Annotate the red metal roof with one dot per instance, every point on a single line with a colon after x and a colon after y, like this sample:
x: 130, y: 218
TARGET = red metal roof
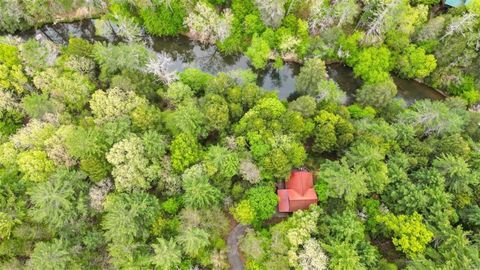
x: 283, y: 203
x: 300, y: 181
x: 299, y: 193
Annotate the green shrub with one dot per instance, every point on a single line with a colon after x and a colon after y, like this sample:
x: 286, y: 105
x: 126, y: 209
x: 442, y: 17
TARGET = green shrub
x: 78, y: 47
x: 164, y: 20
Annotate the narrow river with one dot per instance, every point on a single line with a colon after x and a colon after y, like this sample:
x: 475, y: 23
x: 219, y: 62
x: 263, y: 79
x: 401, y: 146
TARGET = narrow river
x: 187, y: 53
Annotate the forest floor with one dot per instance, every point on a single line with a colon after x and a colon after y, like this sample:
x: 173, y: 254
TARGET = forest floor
x: 79, y: 14
x: 388, y: 251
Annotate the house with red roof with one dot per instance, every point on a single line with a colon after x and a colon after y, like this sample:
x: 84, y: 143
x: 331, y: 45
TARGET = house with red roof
x: 298, y: 194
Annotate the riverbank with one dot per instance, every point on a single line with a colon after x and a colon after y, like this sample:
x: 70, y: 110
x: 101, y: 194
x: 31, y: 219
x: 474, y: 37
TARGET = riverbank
x: 293, y: 59
x: 187, y: 53
x: 22, y: 16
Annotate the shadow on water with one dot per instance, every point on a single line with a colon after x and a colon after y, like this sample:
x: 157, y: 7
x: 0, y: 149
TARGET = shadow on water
x: 187, y: 53
x: 344, y: 77
x: 61, y: 32
x: 409, y: 90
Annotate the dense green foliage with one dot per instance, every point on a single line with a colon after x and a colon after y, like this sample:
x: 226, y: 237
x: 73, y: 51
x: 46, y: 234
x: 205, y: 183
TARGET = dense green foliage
x: 109, y: 160
x: 23, y: 14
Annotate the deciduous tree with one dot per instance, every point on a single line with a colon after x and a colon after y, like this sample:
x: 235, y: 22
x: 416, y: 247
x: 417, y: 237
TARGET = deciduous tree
x: 35, y: 165
x: 272, y: 11
x: 206, y: 25
x: 312, y: 256
x: 185, y: 151
x: 258, y: 52
x: 415, y: 63
x: 331, y: 132
x: 411, y: 235
x: 374, y: 64
x: 131, y: 167
x: 164, y: 19
x: 113, y: 104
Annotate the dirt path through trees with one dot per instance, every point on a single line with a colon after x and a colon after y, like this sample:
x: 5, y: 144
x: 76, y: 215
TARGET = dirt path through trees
x: 232, y: 247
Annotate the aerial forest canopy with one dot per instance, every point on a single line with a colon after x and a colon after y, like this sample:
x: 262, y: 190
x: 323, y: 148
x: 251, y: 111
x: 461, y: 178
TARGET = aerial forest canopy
x: 112, y: 158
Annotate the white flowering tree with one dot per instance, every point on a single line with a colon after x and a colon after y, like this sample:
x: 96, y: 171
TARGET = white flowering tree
x: 98, y: 193
x: 131, y: 167
x: 249, y: 171
x: 8, y: 102
x: 113, y: 104
x: 271, y: 11
x: 339, y: 13
x: 160, y: 67
x: 312, y: 257
x: 206, y: 25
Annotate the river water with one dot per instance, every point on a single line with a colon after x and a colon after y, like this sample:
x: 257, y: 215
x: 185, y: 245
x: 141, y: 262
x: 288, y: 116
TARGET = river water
x: 187, y: 53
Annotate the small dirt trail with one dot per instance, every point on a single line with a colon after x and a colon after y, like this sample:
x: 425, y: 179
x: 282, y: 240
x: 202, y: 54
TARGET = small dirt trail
x: 232, y: 247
